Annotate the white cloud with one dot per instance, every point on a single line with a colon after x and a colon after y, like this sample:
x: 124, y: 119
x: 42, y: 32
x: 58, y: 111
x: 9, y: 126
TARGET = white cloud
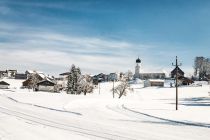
x: 31, y: 48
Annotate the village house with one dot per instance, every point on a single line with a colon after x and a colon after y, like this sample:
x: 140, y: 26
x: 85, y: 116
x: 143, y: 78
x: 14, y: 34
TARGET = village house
x: 4, y: 85
x: 100, y: 78
x: 3, y: 74
x: 29, y: 73
x: 31, y: 76
x: 146, y: 76
x: 179, y: 72
x: 20, y: 76
x: 11, y: 73
x: 154, y: 82
x: 182, y: 80
x: 46, y: 85
x: 113, y: 77
x: 62, y: 80
x: 64, y: 76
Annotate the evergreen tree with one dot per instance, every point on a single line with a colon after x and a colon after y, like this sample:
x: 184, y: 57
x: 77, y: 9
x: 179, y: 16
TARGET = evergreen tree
x: 73, y: 79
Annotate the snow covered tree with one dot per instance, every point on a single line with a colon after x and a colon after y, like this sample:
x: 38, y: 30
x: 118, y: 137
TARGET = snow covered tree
x: 129, y: 75
x: 122, y: 88
x: 85, y: 84
x: 73, y: 80
x: 201, y: 67
x: 34, y: 81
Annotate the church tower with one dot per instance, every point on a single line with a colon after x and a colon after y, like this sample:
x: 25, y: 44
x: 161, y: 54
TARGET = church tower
x: 137, y: 69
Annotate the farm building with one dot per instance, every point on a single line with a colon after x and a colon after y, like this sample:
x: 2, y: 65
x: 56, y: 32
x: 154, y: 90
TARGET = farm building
x: 179, y: 71
x: 3, y: 74
x: 20, y: 76
x: 11, y: 73
x: 46, y: 85
x: 36, y: 77
x: 154, y: 82
x: 146, y: 76
x: 4, y: 85
x: 184, y: 80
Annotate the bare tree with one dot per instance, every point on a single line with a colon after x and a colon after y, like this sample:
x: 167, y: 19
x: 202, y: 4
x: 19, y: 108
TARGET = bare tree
x: 34, y: 81
x: 129, y: 75
x: 201, y: 67
x: 122, y: 88
x: 85, y: 84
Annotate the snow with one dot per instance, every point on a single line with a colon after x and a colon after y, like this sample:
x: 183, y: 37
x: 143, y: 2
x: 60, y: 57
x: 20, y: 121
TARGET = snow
x: 145, y: 113
x: 156, y: 80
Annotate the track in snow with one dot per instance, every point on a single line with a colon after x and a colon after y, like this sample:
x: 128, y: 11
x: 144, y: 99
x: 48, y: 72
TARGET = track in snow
x: 58, y: 125
x: 139, y: 115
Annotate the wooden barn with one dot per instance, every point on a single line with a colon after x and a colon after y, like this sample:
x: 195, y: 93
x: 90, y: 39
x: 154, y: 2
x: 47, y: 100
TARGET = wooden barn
x: 184, y: 80
x: 4, y: 85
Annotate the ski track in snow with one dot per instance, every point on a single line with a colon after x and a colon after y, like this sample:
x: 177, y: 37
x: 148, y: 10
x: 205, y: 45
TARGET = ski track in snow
x: 168, y: 120
x: 97, y: 118
x: 93, y: 134
x: 43, y: 121
x: 42, y: 106
x: 136, y: 114
x: 57, y: 125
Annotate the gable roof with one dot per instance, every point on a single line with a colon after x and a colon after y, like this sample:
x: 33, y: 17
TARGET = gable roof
x: 64, y: 74
x: 46, y: 82
x: 177, y: 68
x: 4, y: 83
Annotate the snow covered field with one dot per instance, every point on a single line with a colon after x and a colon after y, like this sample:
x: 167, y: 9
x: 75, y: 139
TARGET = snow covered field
x: 146, y: 113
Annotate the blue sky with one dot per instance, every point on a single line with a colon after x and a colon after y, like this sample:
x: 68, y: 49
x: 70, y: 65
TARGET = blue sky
x: 102, y: 35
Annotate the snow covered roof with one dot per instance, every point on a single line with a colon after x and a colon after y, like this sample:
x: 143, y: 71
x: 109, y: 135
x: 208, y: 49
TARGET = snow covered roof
x: 64, y: 74
x: 156, y: 80
x: 30, y: 71
x: 41, y: 75
x: 46, y: 82
x: 33, y: 71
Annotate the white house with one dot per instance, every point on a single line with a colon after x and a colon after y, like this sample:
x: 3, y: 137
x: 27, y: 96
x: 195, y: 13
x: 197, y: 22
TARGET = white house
x: 154, y: 82
x: 4, y: 85
x: 11, y: 73
x: 113, y: 77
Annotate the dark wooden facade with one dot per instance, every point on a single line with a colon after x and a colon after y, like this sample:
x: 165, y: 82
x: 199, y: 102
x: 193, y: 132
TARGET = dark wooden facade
x: 46, y: 83
x: 4, y: 83
x: 180, y: 72
x: 20, y: 76
x: 185, y: 80
x: 27, y: 83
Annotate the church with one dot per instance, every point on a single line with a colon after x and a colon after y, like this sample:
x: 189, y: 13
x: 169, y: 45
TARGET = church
x: 146, y: 76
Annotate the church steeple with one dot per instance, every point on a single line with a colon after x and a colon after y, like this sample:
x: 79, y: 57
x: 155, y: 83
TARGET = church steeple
x: 137, y: 69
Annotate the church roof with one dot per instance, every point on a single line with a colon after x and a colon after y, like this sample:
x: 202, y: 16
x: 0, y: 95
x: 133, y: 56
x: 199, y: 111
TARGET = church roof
x: 138, y: 60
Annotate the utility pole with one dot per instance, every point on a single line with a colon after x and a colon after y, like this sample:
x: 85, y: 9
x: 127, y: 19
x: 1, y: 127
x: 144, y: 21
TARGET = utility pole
x: 99, y: 88
x: 113, y: 88
x: 176, y: 67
